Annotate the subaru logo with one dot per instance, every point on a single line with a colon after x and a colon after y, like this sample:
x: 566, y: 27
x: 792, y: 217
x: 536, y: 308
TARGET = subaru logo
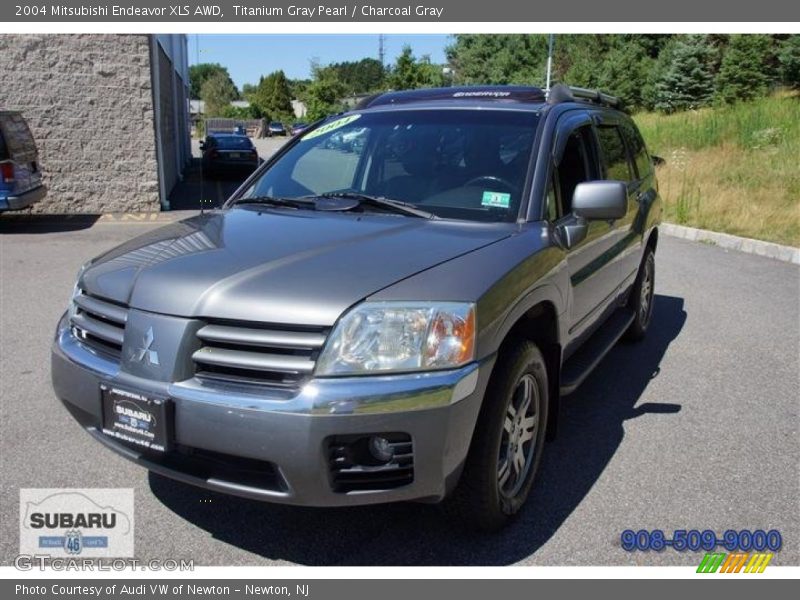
x: 146, y: 353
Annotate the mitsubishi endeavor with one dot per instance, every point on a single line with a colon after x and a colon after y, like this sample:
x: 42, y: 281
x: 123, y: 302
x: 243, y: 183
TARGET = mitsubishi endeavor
x: 395, y: 322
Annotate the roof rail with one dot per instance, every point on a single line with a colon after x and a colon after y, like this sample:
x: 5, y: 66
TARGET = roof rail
x: 565, y: 93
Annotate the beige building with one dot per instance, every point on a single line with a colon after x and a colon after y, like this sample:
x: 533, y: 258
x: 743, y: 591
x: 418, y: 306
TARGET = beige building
x: 109, y: 114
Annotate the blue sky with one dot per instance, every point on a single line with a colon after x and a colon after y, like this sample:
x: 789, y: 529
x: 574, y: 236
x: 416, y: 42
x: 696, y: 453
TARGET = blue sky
x: 250, y: 56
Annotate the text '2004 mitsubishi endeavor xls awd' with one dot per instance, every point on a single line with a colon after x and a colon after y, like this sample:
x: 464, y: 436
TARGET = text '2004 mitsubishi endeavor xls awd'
x: 394, y: 319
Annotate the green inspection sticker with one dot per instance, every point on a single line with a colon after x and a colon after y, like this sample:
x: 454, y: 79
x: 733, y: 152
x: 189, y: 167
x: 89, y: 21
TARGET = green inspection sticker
x: 496, y: 199
x: 332, y: 126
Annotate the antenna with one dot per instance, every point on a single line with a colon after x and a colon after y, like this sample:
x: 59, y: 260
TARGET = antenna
x: 550, y: 44
x: 381, y: 48
x: 205, y: 128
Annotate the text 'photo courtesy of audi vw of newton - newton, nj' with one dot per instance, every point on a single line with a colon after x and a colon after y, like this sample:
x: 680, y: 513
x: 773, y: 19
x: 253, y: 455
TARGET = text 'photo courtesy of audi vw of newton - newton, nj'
x: 395, y: 322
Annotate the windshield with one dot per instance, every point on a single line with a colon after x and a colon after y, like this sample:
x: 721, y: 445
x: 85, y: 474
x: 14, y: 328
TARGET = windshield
x: 234, y: 143
x: 460, y: 164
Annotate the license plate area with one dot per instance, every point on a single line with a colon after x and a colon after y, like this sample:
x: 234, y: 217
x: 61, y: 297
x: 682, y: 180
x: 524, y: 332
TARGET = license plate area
x: 145, y: 422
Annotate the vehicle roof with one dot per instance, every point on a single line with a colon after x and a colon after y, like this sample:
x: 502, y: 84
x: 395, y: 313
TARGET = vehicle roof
x: 503, y: 97
x: 483, y: 96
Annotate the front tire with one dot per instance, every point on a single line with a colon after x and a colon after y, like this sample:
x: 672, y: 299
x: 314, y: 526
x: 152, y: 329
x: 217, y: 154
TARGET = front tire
x: 507, y: 445
x: 642, y: 296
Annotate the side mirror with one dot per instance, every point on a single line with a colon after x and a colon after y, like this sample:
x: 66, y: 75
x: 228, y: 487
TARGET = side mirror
x: 600, y: 200
x: 657, y: 161
x: 202, y: 145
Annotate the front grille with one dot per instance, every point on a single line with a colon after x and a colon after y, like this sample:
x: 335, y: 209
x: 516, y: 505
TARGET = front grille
x: 260, y: 354
x: 353, y: 470
x: 99, y: 323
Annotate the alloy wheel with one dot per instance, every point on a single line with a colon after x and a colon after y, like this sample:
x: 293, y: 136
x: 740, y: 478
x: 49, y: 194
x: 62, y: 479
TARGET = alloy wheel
x: 518, y: 441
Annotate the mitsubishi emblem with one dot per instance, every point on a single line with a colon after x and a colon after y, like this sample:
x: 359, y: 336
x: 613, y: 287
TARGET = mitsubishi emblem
x: 145, y: 352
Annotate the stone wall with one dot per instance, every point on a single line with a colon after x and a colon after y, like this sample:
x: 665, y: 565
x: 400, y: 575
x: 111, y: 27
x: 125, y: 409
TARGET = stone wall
x: 88, y: 100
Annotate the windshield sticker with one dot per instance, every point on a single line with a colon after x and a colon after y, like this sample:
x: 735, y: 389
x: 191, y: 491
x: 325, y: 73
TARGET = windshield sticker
x: 332, y: 126
x: 496, y: 199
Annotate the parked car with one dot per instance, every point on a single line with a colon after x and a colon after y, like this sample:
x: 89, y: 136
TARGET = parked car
x: 228, y: 154
x: 298, y: 128
x: 20, y: 176
x: 276, y: 128
x: 399, y: 324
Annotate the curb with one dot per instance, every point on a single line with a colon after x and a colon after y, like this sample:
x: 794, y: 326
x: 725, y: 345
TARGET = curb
x: 732, y: 242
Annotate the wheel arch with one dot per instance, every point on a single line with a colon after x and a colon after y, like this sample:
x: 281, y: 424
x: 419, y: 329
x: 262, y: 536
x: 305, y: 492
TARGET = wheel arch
x: 652, y: 239
x: 538, y: 322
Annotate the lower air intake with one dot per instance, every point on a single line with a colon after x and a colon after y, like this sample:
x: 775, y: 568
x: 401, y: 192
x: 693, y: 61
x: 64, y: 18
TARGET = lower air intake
x: 356, y: 467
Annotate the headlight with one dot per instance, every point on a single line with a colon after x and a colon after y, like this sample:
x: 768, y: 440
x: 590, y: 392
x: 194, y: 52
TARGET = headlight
x: 400, y: 336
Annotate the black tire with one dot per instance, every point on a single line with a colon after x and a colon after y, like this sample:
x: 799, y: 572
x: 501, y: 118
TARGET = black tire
x: 641, y: 298
x: 482, y: 500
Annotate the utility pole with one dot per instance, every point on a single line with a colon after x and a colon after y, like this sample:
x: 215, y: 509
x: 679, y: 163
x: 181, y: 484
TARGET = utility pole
x: 381, y: 49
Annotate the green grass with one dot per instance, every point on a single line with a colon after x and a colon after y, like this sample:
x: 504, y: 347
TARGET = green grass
x: 734, y: 169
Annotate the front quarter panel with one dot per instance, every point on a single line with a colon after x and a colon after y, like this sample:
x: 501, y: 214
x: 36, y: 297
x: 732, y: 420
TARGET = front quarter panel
x: 504, y: 279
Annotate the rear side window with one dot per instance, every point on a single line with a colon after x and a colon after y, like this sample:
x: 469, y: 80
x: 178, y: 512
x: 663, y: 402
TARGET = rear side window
x: 615, y: 156
x: 3, y: 148
x: 18, y: 141
x: 638, y: 150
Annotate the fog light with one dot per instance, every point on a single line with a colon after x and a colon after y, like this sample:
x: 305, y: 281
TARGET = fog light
x: 380, y: 448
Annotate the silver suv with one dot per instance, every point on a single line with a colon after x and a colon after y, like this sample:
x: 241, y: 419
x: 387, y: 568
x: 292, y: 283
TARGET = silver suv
x: 397, y: 321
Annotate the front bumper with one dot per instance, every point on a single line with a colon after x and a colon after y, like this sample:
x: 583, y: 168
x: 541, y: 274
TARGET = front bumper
x: 224, y: 434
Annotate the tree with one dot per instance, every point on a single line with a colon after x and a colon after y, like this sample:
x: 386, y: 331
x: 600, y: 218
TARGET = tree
x: 498, y: 59
x: 248, y: 90
x: 405, y: 75
x: 217, y: 92
x: 273, y: 96
x: 789, y: 61
x: 244, y: 113
x: 688, y: 81
x: 358, y: 77
x: 624, y: 72
x: 200, y: 72
x: 409, y: 73
x: 744, y: 71
x: 324, y: 94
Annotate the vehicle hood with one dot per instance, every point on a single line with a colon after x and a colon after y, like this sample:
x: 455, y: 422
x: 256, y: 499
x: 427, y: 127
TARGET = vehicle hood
x: 277, y: 265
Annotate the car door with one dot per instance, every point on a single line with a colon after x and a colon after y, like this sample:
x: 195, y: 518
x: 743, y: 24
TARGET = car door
x: 642, y: 193
x: 591, y: 272
x: 617, y: 165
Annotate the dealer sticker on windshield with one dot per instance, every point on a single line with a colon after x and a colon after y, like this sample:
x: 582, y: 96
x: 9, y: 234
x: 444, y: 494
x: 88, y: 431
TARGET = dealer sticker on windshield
x: 496, y: 199
x: 332, y: 126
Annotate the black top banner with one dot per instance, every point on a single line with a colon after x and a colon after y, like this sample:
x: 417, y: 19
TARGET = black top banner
x: 402, y: 11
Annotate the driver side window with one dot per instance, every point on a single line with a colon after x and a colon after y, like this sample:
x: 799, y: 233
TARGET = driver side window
x: 574, y: 166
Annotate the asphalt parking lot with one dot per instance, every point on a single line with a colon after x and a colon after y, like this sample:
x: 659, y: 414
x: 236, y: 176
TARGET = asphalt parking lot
x: 695, y: 428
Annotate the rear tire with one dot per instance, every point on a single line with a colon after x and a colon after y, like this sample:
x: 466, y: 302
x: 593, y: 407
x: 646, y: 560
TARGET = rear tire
x: 507, y: 444
x: 641, y: 298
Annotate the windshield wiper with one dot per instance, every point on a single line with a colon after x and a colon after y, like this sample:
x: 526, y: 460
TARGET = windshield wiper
x: 398, y: 206
x: 276, y: 201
